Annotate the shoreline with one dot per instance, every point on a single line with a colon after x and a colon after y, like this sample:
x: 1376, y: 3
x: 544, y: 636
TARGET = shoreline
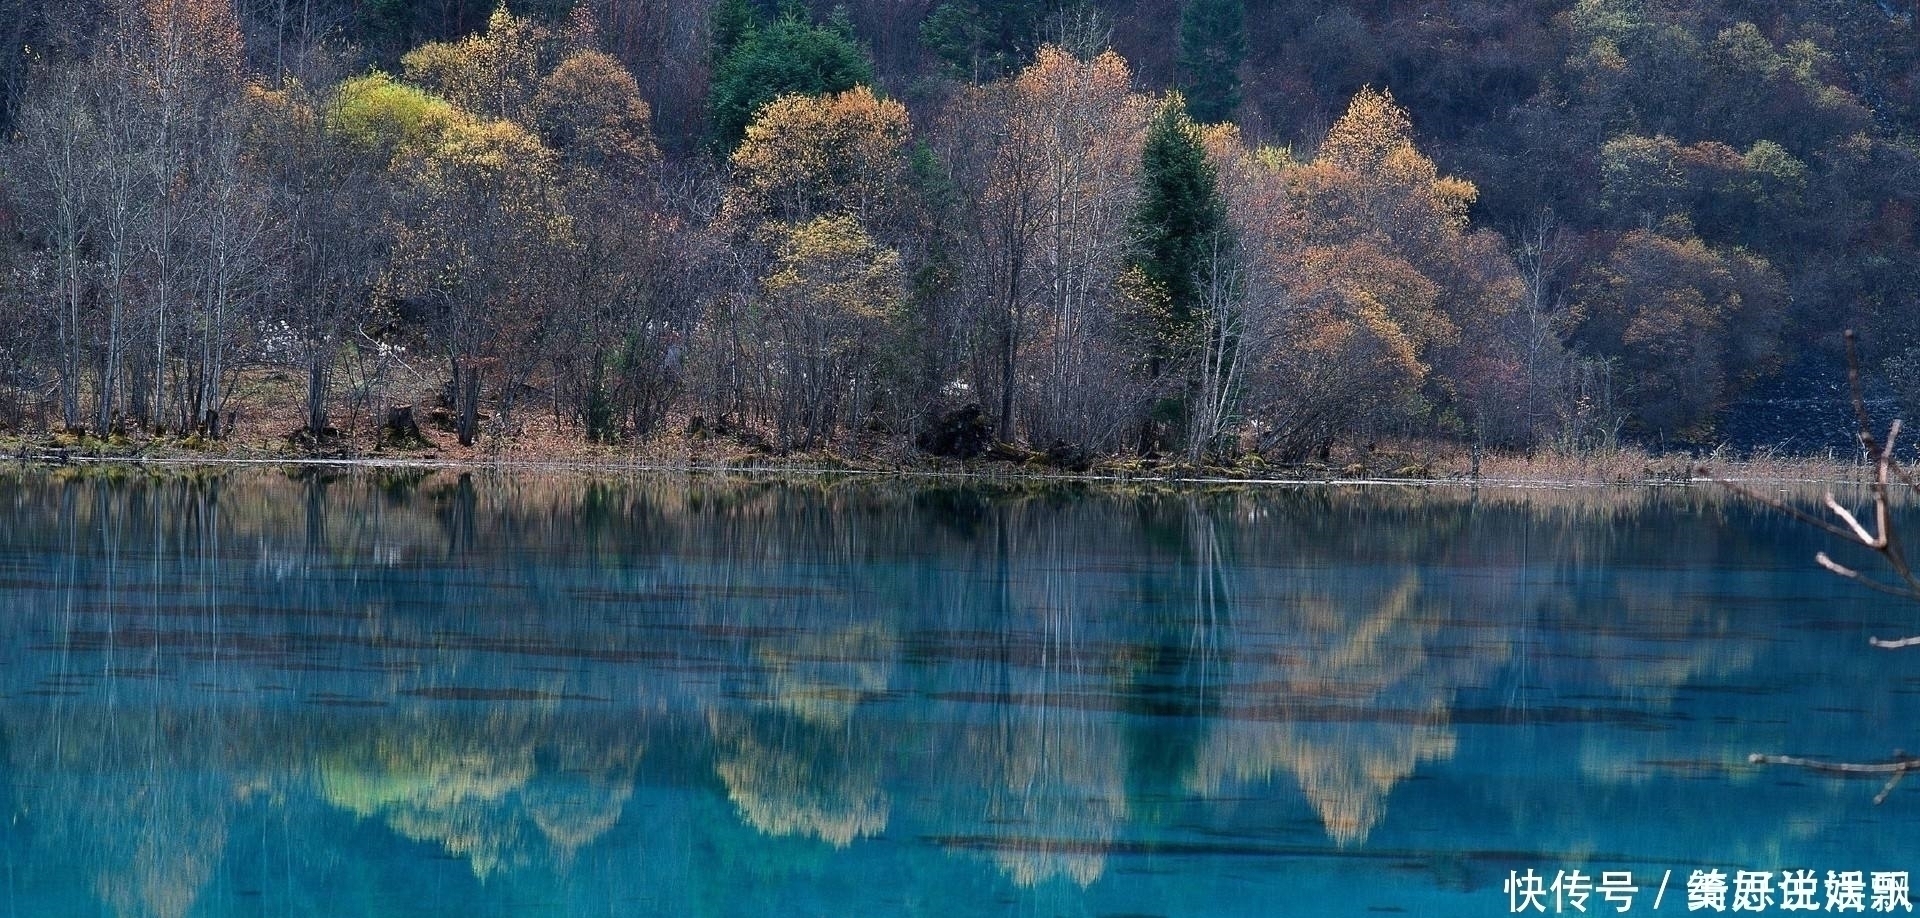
x: 1809, y: 471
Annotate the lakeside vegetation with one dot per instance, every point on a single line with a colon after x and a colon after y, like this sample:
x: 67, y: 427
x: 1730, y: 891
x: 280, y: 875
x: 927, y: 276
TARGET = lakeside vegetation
x: 1214, y: 237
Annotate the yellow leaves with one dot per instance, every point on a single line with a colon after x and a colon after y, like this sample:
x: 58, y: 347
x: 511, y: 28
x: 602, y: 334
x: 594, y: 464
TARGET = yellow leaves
x: 1368, y: 250
x: 1374, y: 128
x: 494, y: 74
x: 376, y: 113
x: 279, y: 117
x: 202, y: 34
x: 428, y: 791
x: 809, y: 155
x: 830, y: 267
x: 805, y: 787
x: 1367, y: 301
x: 498, y: 152
x: 442, y: 147
x: 1455, y: 195
x: 1057, y: 75
x: 590, y: 109
x: 1081, y: 111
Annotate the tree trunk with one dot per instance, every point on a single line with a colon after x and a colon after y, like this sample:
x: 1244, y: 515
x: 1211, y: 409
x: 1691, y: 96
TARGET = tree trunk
x: 469, y: 405
x: 316, y: 397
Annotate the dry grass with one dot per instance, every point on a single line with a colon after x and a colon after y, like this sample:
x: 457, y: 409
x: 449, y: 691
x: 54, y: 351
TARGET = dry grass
x: 267, y: 410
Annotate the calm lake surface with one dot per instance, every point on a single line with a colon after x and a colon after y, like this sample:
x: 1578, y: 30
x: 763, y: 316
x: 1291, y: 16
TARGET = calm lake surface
x: 277, y: 692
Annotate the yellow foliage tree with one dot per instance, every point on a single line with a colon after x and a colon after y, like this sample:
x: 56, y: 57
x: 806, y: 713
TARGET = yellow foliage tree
x: 494, y: 74
x: 1369, y: 180
x: 590, y: 111
x: 189, y: 40
x: 831, y: 302
x: 806, y: 156
x: 379, y: 115
x: 485, y: 223
x: 1367, y: 251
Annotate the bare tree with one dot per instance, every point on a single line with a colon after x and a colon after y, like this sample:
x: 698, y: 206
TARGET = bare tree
x: 56, y: 175
x: 995, y: 162
x: 1222, y: 331
x: 1881, y: 538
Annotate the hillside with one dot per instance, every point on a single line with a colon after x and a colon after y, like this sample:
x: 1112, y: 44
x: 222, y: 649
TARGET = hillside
x: 1209, y: 228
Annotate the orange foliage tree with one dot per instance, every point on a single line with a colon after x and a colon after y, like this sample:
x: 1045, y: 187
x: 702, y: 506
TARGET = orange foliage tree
x: 1079, y: 126
x: 1694, y: 324
x: 1383, y: 284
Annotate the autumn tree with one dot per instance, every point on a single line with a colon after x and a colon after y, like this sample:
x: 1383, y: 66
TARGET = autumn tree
x: 807, y: 156
x: 1086, y: 125
x: 495, y: 74
x: 831, y: 301
x: 1242, y: 304
x: 481, y: 226
x: 589, y: 110
x: 992, y: 165
x: 1384, y: 277
x: 156, y: 217
x: 814, y: 178
x: 632, y: 269
x: 1044, y: 166
x: 1693, y: 325
x: 55, y: 177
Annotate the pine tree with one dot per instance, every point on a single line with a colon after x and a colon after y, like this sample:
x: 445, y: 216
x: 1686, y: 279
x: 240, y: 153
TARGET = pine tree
x: 1179, y: 212
x: 785, y: 57
x: 729, y: 25
x: 1176, y: 229
x: 984, y: 39
x: 1213, y: 43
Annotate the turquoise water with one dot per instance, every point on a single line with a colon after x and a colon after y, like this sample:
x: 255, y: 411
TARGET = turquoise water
x: 408, y: 694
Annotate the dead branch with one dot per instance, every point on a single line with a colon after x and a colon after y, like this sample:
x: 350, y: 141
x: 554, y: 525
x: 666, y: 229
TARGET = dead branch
x: 1895, y: 769
x: 1880, y: 539
x: 1899, y: 764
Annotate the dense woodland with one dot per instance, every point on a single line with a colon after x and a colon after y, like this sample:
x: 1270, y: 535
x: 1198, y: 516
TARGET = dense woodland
x: 1196, y: 229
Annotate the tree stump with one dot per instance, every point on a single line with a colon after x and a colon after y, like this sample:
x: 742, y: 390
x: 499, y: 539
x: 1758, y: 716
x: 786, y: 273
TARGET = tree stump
x: 401, y: 431
x: 963, y: 433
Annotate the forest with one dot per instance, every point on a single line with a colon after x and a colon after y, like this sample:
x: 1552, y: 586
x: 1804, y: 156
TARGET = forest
x: 1194, y: 229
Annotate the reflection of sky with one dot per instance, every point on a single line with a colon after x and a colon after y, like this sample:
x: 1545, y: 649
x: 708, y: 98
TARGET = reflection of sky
x: 258, y: 693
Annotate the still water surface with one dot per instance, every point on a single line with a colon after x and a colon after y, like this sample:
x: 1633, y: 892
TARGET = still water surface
x: 267, y: 692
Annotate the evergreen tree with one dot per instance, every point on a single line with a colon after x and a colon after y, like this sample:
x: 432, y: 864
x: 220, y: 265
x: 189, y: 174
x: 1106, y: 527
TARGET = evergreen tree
x: 1176, y: 229
x: 1179, y: 211
x: 787, y: 56
x: 1213, y: 43
x: 731, y: 22
x: 983, y: 40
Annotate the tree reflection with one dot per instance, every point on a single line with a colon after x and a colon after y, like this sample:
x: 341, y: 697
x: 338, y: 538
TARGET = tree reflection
x: 791, y: 777
x: 1054, y: 778
x: 1349, y: 708
x: 1036, y: 680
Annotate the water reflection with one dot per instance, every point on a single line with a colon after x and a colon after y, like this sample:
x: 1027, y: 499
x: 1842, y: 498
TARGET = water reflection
x: 537, y: 679
x: 1313, y: 710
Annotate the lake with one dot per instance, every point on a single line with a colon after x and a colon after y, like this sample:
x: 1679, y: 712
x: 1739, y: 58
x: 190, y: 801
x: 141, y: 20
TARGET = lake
x: 414, y: 693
